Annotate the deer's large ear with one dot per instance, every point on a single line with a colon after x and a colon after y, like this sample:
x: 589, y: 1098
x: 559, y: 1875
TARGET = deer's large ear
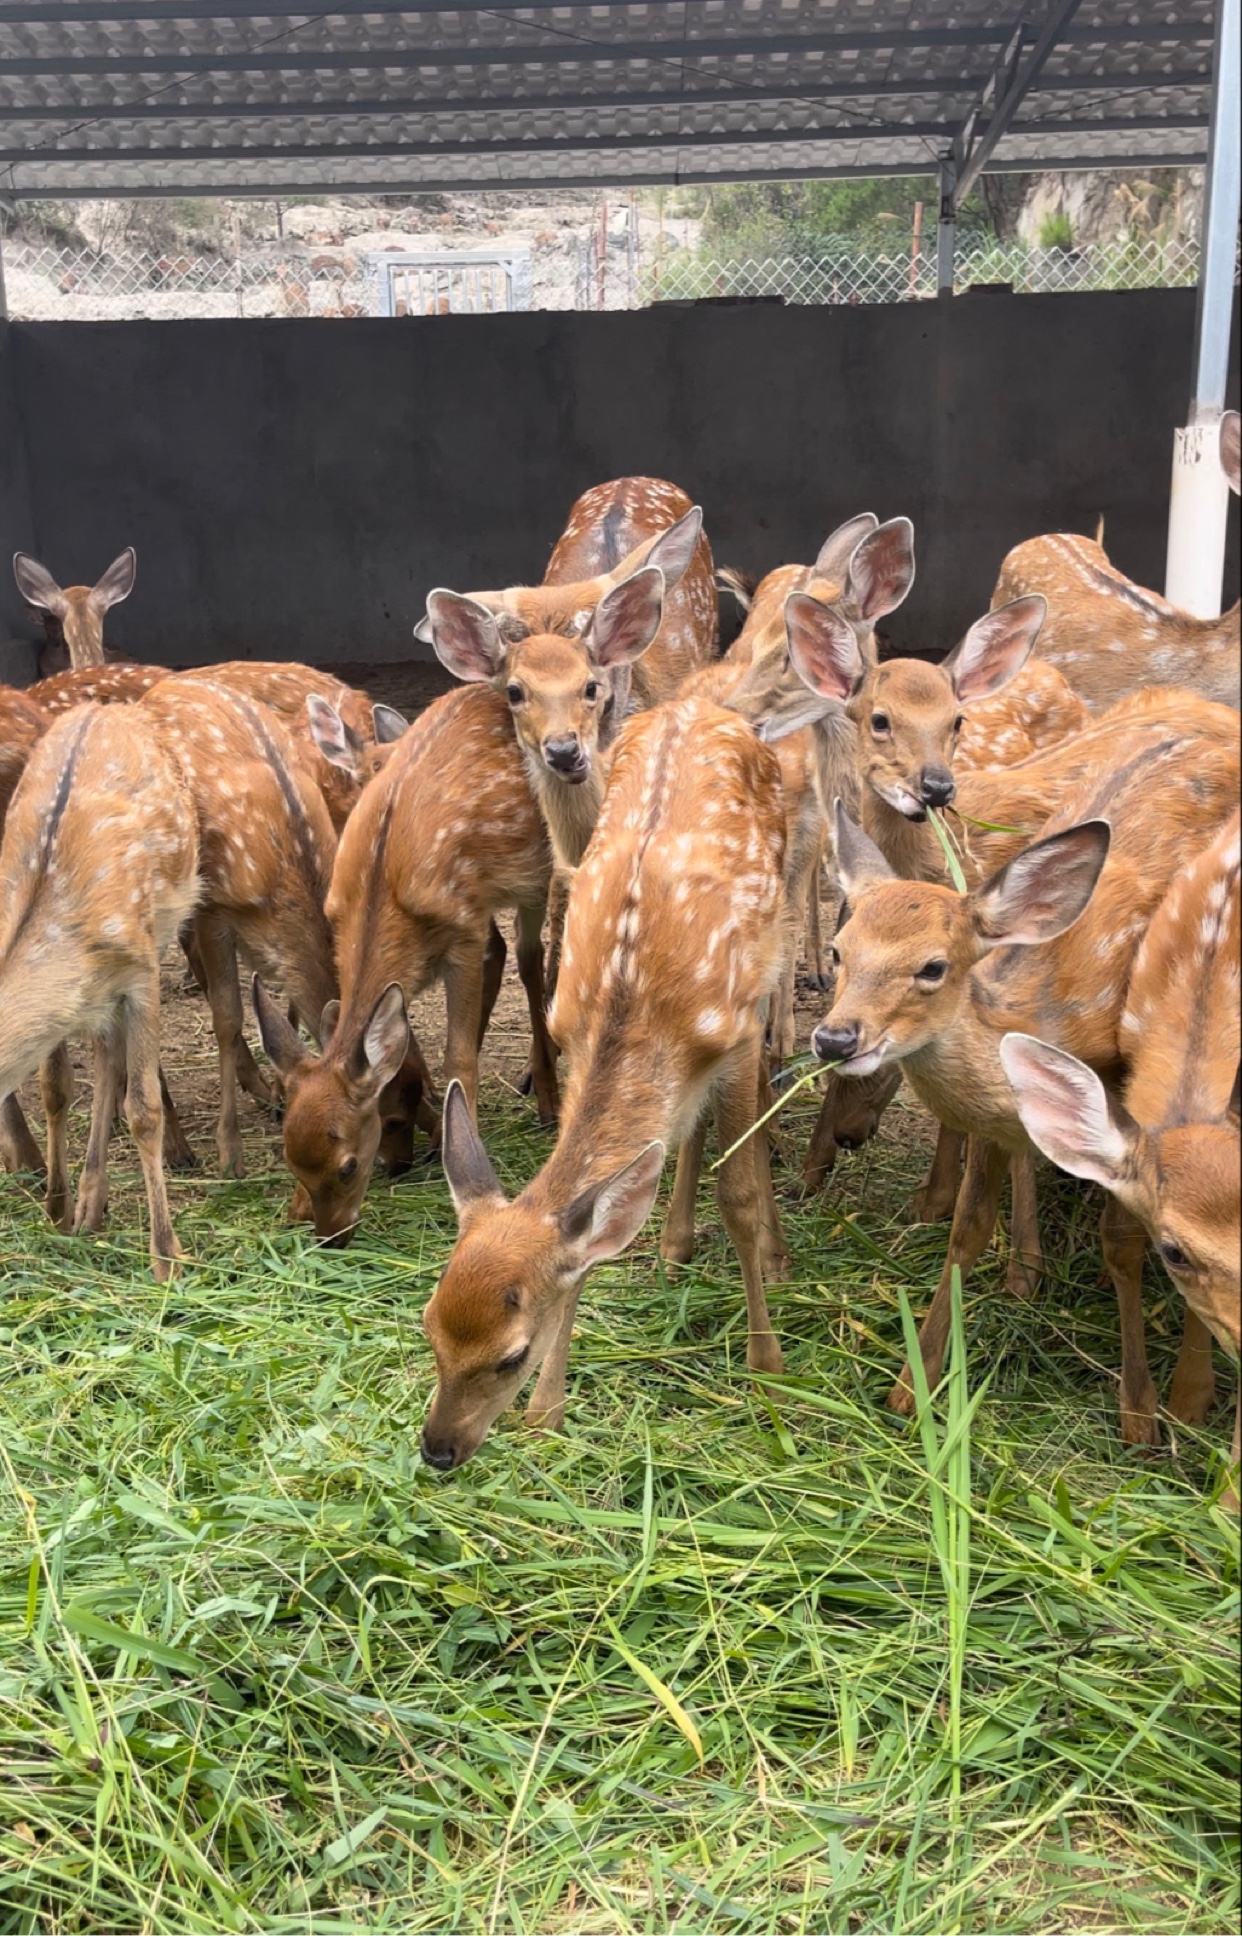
x: 379, y: 1053
x: 627, y: 618
x: 471, y: 1178
x: 465, y: 636
x: 822, y: 648
x: 117, y: 582
x: 605, y: 1219
x: 859, y: 861
x: 837, y: 549
x: 282, y: 1044
x: 1231, y: 449
x: 1067, y: 1112
x: 388, y: 723
x: 673, y: 549
x: 996, y: 648
x: 881, y: 571
x: 37, y: 585
x: 331, y: 735
x: 1043, y: 890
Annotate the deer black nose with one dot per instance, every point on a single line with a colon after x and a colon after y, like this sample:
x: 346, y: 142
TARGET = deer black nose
x: 936, y: 787
x: 835, y: 1044
x: 562, y: 755
x: 440, y: 1456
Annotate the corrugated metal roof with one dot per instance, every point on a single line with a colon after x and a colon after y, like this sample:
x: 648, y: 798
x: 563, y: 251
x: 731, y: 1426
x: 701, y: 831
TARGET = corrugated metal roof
x: 202, y: 96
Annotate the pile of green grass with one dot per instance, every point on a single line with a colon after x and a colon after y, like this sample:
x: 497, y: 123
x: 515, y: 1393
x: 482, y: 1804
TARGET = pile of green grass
x: 701, y: 1663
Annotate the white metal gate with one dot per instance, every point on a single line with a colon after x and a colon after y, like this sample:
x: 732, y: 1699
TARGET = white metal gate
x: 458, y: 282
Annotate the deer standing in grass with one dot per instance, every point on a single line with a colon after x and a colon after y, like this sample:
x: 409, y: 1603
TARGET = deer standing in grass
x: 672, y: 943
x: 98, y: 870
x: 73, y: 616
x: 446, y: 836
x: 1169, y: 1151
x: 933, y: 979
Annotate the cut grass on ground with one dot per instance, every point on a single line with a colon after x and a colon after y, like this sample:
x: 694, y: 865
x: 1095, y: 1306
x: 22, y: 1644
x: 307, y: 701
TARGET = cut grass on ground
x: 700, y: 1663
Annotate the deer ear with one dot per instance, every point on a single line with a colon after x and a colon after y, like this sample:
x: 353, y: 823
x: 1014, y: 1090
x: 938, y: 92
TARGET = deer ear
x: 37, y: 585
x: 605, y: 1219
x: 331, y: 735
x: 1042, y: 891
x: 996, y: 648
x: 379, y: 1054
x: 881, y: 571
x: 673, y: 549
x: 471, y: 1178
x: 822, y: 648
x: 389, y: 724
x: 859, y: 861
x: 1067, y: 1112
x: 282, y: 1044
x: 836, y: 551
x: 465, y: 635
x: 1231, y: 449
x: 328, y: 1021
x: 117, y: 582
x: 627, y: 618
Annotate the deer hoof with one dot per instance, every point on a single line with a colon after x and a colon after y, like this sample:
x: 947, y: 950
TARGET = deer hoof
x: 901, y: 1398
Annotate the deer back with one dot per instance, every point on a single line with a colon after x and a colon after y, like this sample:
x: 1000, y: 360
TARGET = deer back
x: 284, y: 688
x: 1110, y: 636
x: 1035, y: 711
x: 116, y: 684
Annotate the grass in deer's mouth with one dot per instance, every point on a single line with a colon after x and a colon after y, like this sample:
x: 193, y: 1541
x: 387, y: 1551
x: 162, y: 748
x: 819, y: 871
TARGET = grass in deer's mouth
x: 698, y: 1664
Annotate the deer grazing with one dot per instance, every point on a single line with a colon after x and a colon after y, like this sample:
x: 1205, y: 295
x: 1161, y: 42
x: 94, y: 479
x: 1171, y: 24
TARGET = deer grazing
x: 98, y: 870
x: 73, y: 617
x: 1169, y: 1151
x: 933, y: 979
x: 612, y: 532
x: 671, y: 945
x: 444, y: 838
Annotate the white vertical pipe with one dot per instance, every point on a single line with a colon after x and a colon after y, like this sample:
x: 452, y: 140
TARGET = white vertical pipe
x: 1199, y: 498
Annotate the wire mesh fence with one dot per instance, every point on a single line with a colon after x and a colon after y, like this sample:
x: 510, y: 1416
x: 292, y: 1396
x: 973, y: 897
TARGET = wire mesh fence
x: 576, y: 272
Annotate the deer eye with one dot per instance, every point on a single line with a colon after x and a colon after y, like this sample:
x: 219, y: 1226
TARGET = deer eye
x: 591, y: 690
x: 515, y: 695
x: 514, y: 1361
x: 1174, y: 1256
x: 881, y: 725
x: 348, y: 1169
x: 959, y: 722
x: 932, y: 973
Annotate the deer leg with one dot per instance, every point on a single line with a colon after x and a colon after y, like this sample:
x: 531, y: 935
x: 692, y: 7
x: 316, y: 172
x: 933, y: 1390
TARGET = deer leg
x: 558, y: 905
x: 1124, y: 1243
x: 18, y: 1149
x: 542, y: 1051
x: 814, y: 930
x: 783, y: 1021
x: 56, y: 1088
x: 546, y: 1410
x: 493, y: 974
x: 463, y: 996
x: 145, y: 1114
x: 92, y: 1203
x: 741, y: 1201
x: 677, y: 1237
x: 218, y: 954
x: 1026, y: 1254
x: 974, y: 1220
x: 249, y: 1074
x: 1193, y: 1390
x: 934, y: 1200
x: 1229, y: 1498
x: 178, y: 1152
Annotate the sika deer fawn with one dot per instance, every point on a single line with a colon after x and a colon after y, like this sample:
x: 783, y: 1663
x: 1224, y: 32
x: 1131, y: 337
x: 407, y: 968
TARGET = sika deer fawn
x: 933, y: 979
x: 567, y: 696
x: 446, y: 836
x: 22, y: 726
x: 1169, y: 1153
x: 671, y: 945
x: 612, y: 532
x: 97, y: 872
x: 104, y: 685
x: 73, y: 617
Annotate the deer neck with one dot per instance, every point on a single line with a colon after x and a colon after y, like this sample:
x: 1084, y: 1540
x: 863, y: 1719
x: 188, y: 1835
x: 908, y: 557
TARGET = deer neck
x: 909, y: 846
x: 959, y: 1078
x: 569, y: 812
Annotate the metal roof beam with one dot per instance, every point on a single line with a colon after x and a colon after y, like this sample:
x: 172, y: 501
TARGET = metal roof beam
x: 1003, y: 95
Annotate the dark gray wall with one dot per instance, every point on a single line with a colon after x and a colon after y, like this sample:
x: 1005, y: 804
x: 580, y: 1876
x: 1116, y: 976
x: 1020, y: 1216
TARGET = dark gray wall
x: 16, y: 530
x: 295, y: 488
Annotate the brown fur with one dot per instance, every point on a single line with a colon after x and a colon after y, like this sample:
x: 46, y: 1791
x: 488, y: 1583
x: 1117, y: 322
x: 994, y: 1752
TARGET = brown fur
x: 103, y: 685
x: 689, y: 843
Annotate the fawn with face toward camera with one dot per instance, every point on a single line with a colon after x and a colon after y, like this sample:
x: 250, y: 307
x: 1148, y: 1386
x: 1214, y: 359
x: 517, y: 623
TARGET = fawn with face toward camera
x: 73, y: 616
x: 1170, y: 1152
x: 97, y: 872
x: 444, y: 838
x: 671, y: 945
x: 933, y: 979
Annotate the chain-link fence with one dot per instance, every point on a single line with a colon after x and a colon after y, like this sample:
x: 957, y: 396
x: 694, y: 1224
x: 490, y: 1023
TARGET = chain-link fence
x: 574, y: 272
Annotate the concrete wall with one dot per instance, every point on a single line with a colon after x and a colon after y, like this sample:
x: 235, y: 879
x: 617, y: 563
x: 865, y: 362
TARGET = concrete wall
x: 295, y: 488
x: 16, y: 527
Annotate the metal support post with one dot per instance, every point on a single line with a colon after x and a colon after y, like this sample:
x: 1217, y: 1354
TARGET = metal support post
x: 1199, y: 499
x: 946, y: 228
